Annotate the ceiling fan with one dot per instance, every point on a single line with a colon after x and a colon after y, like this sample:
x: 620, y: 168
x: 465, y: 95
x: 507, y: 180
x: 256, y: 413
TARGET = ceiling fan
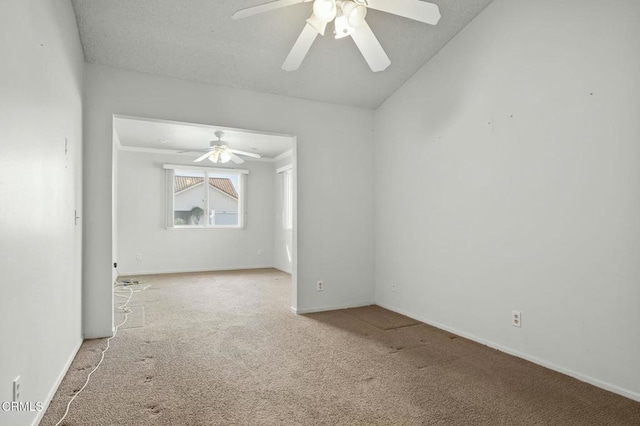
x: 218, y: 152
x: 349, y: 20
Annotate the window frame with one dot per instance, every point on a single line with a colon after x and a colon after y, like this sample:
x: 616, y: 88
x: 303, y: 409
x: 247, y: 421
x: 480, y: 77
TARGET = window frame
x: 170, y: 170
x: 286, y: 173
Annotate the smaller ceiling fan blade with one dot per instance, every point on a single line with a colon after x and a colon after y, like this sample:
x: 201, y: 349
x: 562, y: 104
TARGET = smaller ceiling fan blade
x: 193, y: 150
x: 370, y: 48
x: 197, y: 160
x: 248, y: 154
x: 235, y: 158
x: 300, y: 48
x: 250, y: 11
x: 417, y: 10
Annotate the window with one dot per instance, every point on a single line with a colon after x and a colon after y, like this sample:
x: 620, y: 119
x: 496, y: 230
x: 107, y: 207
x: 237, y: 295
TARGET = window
x: 287, y: 197
x: 204, y: 197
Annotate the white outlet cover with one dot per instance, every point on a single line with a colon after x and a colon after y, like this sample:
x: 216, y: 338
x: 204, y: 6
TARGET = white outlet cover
x: 16, y: 389
x: 516, y: 319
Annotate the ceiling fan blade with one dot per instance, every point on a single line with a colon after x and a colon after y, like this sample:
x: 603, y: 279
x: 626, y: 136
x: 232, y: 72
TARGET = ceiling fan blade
x: 417, y: 10
x: 250, y: 11
x: 235, y: 158
x: 248, y: 154
x: 193, y: 150
x: 300, y: 48
x: 317, y: 23
x: 370, y: 48
x: 197, y: 160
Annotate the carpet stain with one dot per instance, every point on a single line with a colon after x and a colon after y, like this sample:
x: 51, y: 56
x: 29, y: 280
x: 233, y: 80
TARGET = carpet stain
x: 86, y: 367
x: 148, y: 379
x: 154, y: 410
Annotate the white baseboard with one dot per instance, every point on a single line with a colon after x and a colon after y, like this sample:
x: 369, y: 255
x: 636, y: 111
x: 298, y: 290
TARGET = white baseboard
x: 56, y: 384
x: 582, y: 377
x: 283, y: 270
x: 100, y: 334
x: 328, y: 308
x: 183, y: 271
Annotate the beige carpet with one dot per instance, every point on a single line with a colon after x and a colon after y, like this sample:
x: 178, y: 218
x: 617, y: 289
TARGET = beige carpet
x: 223, y: 348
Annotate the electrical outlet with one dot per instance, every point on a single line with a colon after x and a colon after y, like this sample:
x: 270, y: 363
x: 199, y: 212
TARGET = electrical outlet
x: 394, y: 287
x: 16, y: 389
x: 320, y: 286
x: 138, y: 256
x: 516, y: 319
x: 259, y: 252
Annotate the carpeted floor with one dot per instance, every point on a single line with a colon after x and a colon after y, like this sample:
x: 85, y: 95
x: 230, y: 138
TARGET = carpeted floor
x: 223, y: 348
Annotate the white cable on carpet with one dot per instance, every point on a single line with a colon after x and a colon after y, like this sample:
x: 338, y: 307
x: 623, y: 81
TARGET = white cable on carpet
x: 126, y: 315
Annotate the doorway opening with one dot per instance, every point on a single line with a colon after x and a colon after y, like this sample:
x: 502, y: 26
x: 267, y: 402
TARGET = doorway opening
x: 191, y: 197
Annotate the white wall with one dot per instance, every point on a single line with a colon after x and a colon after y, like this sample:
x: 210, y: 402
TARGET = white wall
x: 282, y: 238
x: 40, y: 187
x: 515, y: 151
x: 142, y: 220
x: 332, y: 246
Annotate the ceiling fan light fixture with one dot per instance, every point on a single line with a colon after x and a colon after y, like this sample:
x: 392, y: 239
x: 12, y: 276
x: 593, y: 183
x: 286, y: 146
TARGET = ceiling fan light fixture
x: 354, y: 12
x: 219, y: 152
x: 220, y: 157
x: 352, y: 17
x: 325, y: 10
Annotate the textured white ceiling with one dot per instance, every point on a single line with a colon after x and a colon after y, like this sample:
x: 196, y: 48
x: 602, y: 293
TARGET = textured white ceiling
x: 136, y: 133
x: 198, y: 40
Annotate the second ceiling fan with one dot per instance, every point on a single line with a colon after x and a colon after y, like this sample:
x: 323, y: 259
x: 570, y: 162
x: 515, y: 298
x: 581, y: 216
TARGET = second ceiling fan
x: 349, y: 20
x: 218, y: 152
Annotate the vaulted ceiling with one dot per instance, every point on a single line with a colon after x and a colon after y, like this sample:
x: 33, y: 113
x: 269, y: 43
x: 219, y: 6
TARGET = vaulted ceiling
x: 197, y: 40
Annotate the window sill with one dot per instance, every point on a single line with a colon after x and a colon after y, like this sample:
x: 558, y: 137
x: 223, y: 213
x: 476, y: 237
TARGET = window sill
x: 203, y: 228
